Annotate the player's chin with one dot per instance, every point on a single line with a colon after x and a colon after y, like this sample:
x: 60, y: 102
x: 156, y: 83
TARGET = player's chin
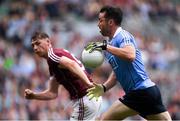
x: 103, y: 33
x: 39, y: 54
x: 29, y: 98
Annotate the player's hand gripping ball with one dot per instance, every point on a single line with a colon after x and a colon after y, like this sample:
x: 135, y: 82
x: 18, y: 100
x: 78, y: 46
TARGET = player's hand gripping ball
x: 92, y: 59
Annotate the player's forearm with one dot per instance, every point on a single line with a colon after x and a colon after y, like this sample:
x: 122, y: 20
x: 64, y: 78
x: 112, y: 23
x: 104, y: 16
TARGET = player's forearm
x: 111, y: 81
x: 123, y: 53
x: 46, y: 95
x: 76, y: 69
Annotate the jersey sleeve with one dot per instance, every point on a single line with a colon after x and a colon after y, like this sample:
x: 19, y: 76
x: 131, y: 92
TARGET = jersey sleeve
x: 53, y: 57
x: 125, y: 39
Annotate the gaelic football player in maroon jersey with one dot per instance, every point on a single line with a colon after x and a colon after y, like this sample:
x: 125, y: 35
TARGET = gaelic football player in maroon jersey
x: 68, y: 71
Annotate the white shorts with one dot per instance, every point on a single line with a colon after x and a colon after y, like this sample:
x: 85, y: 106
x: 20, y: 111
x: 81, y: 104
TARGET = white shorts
x: 85, y: 109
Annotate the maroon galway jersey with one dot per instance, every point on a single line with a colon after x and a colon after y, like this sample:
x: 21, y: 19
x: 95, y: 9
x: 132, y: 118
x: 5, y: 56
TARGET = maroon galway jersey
x: 75, y: 86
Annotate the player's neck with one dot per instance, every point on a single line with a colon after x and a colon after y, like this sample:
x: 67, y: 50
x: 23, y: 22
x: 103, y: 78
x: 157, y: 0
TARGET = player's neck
x: 113, y: 30
x: 46, y: 55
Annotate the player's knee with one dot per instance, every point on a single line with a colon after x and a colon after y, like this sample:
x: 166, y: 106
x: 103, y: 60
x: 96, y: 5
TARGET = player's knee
x: 162, y: 116
x: 167, y: 116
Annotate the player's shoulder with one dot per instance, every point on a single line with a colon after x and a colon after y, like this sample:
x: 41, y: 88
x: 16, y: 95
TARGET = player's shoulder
x: 55, y: 53
x: 125, y: 34
x: 60, y: 51
x: 118, y: 38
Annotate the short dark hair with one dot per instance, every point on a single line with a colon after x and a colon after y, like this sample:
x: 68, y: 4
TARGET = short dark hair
x: 114, y: 13
x: 39, y: 35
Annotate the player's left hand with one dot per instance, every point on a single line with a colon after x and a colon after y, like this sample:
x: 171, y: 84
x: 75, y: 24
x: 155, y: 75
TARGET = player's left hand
x: 95, y: 92
x: 96, y: 46
x: 29, y: 94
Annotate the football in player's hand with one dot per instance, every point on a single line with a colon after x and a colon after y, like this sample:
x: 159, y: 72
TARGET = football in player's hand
x: 92, y: 59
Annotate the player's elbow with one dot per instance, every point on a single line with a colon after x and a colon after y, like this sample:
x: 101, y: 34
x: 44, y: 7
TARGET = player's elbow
x: 69, y: 64
x: 53, y: 95
x: 72, y: 64
x: 130, y: 53
x: 50, y: 94
x: 131, y: 57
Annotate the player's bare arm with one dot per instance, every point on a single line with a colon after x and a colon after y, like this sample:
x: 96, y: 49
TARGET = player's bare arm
x: 49, y: 94
x: 75, y: 68
x: 111, y: 81
x: 127, y: 52
x: 99, y: 89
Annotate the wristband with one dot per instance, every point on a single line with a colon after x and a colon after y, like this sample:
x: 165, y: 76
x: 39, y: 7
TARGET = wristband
x: 104, y: 88
x: 104, y: 45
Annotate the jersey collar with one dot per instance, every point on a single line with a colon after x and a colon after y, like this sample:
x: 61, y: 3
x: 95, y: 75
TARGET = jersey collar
x: 117, y: 31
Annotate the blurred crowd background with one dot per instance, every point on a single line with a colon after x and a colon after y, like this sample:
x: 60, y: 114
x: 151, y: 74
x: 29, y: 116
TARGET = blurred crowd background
x: 71, y: 24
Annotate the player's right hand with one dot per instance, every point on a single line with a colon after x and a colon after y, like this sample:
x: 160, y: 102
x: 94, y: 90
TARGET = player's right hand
x: 96, y: 91
x: 96, y: 46
x: 28, y: 94
x: 89, y: 46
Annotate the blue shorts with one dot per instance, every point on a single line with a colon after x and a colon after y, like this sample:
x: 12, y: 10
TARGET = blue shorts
x: 145, y: 101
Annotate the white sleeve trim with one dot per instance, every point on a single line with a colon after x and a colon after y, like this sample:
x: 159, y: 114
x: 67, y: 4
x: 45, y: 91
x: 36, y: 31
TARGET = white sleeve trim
x: 126, y: 40
x: 52, y: 56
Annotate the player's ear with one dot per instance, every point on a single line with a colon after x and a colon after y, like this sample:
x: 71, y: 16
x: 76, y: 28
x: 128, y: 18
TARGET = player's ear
x: 110, y: 21
x: 48, y: 40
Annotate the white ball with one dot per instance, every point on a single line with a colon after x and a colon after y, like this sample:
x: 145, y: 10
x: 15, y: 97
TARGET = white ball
x: 93, y: 59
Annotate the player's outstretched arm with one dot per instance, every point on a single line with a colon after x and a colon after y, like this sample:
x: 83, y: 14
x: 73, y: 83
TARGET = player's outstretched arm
x: 49, y: 94
x: 111, y: 81
x: 96, y: 91
x: 76, y: 69
x: 99, y: 89
x: 127, y: 52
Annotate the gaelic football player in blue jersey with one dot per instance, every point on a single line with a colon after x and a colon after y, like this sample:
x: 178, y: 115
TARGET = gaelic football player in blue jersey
x: 142, y: 96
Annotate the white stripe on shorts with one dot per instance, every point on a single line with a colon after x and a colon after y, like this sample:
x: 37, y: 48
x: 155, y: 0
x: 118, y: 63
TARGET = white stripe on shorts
x: 85, y: 109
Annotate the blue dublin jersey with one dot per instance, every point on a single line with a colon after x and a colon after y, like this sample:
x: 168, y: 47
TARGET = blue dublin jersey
x: 131, y: 75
